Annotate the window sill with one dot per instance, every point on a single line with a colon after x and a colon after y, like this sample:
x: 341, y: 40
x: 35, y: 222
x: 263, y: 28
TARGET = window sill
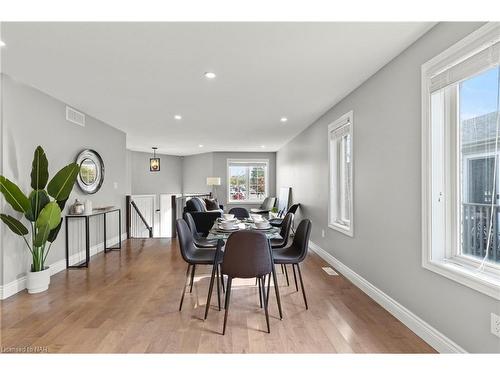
x: 342, y: 228
x: 485, y: 282
x: 245, y: 202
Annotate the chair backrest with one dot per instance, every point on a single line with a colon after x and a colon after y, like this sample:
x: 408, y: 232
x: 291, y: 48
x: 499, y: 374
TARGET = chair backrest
x: 191, y: 224
x: 268, y: 203
x: 286, y: 225
x: 186, y: 241
x: 301, y: 238
x: 195, y: 204
x: 239, y: 212
x: 293, y: 208
x: 247, y: 254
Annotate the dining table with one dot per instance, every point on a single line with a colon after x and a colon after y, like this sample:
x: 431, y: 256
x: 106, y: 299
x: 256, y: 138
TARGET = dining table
x: 217, y: 233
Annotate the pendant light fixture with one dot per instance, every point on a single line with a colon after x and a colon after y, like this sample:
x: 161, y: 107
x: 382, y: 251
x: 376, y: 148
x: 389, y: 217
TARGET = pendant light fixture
x: 154, y: 162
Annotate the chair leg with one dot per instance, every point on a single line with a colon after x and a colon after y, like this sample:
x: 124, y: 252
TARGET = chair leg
x: 265, y: 302
x: 268, y: 288
x: 226, y: 305
x: 192, y: 278
x: 302, y: 286
x: 276, y: 290
x: 286, y: 274
x: 295, y: 277
x: 185, y: 286
x: 260, y: 291
x: 218, y: 287
x: 222, y: 279
x: 210, y: 289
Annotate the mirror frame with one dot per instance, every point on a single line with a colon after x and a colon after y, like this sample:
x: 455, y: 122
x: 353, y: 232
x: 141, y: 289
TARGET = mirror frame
x: 96, y: 158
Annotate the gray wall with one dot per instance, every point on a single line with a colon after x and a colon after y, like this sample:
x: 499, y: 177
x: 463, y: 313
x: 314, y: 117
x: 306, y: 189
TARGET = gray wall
x: 32, y: 118
x: 196, y: 169
x: 167, y: 180
x: 386, y: 248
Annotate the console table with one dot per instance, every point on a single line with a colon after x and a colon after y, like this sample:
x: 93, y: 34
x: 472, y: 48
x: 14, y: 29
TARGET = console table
x: 86, y: 218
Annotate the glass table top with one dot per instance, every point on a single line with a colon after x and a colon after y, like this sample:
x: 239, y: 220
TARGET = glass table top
x: 219, y: 234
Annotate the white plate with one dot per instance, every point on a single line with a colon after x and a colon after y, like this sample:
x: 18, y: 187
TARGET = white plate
x: 231, y: 229
x: 264, y: 228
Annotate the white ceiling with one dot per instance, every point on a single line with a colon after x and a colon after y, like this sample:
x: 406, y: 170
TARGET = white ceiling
x: 137, y: 76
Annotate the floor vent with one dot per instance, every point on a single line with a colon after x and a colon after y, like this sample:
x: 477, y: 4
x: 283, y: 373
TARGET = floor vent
x: 74, y: 116
x: 330, y: 271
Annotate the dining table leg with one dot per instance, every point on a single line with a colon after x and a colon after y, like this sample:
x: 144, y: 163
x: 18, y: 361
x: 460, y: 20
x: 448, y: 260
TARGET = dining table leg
x: 210, y: 289
x: 275, y: 281
x: 212, y: 278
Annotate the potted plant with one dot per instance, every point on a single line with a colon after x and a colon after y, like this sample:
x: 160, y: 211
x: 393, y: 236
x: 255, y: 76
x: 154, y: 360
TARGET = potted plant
x: 273, y: 214
x: 42, y: 213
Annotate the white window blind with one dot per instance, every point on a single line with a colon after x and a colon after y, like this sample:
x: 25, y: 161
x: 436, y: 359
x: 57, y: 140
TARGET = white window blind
x: 478, y: 62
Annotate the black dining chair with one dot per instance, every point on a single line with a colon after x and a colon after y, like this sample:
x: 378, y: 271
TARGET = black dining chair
x: 296, y: 252
x: 199, y: 240
x: 194, y: 256
x: 239, y: 212
x: 247, y: 255
x: 279, y: 243
x: 277, y: 222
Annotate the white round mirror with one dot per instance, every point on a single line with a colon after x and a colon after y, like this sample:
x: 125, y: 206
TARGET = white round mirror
x: 91, y: 174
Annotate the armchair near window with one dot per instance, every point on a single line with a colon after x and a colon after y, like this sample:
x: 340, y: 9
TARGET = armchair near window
x: 265, y: 207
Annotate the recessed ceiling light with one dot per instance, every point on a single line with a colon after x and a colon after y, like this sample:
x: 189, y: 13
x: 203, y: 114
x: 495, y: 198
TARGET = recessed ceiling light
x: 178, y: 117
x: 262, y: 146
x: 2, y: 43
x: 210, y: 75
x: 283, y: 119
x: 200, y: 146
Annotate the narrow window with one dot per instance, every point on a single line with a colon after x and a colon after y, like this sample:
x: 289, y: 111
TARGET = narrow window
x: 341, y: 180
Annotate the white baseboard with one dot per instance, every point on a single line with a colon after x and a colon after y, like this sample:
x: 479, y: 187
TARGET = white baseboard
x: 421, y: 328
x: 19, y: 285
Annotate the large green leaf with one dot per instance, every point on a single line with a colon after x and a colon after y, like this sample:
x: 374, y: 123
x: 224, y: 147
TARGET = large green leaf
x: 38, y: 200
x: 15, y: 225
x: 41, y: 235
x: 13, y: 195
x: 62, y: 183
x: 54, y: 232
x: 50, y: 216
x: 39, y: 169
x: 62, y: 203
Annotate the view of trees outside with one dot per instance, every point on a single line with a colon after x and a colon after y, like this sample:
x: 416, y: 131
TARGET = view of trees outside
x: 247, y: 182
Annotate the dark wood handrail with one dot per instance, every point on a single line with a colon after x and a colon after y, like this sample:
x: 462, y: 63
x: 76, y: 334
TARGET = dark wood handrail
x: 149, y: 228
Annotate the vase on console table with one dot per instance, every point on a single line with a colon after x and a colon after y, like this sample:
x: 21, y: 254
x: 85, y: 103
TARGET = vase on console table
x: 88, y: 207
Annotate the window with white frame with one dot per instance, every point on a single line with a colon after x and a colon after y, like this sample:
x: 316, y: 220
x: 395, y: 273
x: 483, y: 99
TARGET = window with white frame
x: 340, y: 212
x: 247, y: 180
x: 461, y: 166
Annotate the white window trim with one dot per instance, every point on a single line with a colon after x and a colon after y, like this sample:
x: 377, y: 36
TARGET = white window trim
x: 459, y: 268
x: 342, y: 121
x: 228, y: 183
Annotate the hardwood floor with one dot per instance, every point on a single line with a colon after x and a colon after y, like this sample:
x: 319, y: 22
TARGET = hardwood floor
x: 128, y: 303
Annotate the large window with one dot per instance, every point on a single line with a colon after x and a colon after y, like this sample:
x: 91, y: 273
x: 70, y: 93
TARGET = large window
x: 461, y: 166
x: 247, y: 180
x: 341, y: 184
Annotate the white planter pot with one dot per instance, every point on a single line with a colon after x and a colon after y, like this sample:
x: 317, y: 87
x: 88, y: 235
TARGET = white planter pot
x: 37, y: 282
